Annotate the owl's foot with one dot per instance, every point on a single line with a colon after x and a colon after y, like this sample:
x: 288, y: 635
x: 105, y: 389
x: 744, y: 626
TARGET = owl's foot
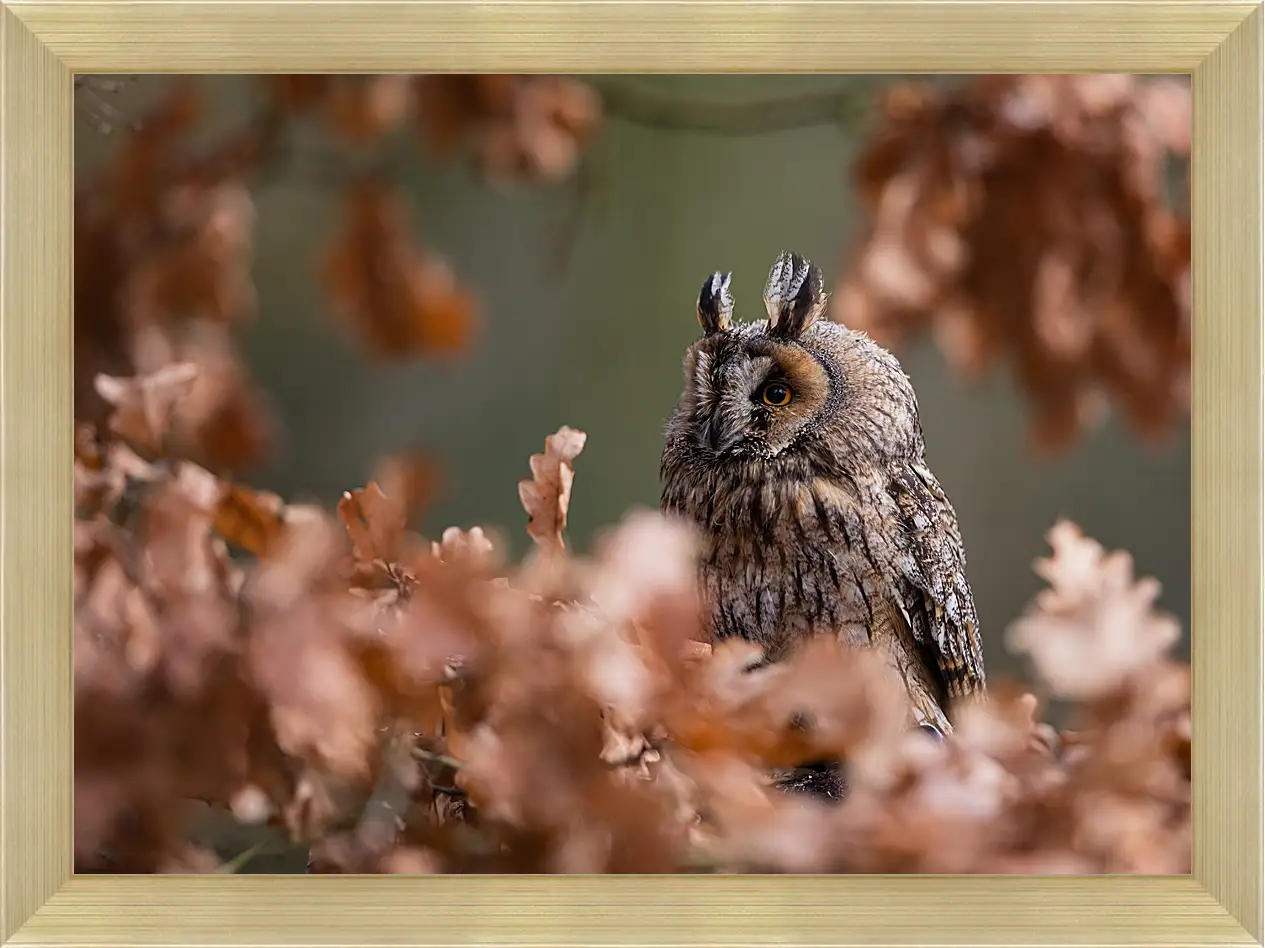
x: 820, y: 778
x: 825, y: 780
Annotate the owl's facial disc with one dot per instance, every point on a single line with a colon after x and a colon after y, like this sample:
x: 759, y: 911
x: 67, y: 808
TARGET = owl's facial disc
x: 788, y: 401
x: 754, y: 398
x: 725, y: 378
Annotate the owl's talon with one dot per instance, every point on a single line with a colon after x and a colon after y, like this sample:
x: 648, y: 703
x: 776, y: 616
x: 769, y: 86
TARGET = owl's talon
x: 823, y: 779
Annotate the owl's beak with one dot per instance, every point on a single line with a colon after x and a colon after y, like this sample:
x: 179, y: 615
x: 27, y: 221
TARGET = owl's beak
x: 714, y: 437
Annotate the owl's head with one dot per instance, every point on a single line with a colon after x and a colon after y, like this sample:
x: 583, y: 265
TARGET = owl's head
x: 794, y: 389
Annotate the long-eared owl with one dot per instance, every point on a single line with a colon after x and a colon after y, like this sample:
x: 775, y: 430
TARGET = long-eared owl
x: 796, y: 449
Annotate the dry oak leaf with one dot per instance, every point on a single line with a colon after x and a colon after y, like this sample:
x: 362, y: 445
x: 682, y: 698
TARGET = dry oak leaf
x: 696, y: 651
x: 400, y: 299
x: 88, y: 447
x: 144, y: 406
x: 363, y: 109
x: 376, y: 516
x: 253, y: 520
x: 547, y: 496
x: 293, y: 93
x: 225, y: 422
x: 322, y: 707
x: 374, y: 523
x: 1095, y: 626
x: 457, y: 545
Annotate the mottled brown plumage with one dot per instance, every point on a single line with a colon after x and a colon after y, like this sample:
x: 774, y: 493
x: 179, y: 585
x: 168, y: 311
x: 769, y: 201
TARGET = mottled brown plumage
x: 796, y: 447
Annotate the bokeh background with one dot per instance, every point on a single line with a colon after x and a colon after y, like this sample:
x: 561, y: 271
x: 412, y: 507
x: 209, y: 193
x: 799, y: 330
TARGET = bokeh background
x: 577, y: 223
x: 585, y: 287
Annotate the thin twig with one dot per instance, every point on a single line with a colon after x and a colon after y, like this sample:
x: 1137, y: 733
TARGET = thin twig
x: 435, y: 758
x: 585, y: 183
x: 238, y: 862
x: 88, y: 98
x: 388, y: 802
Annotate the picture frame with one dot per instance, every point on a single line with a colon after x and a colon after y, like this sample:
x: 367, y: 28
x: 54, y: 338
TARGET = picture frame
x: 46, y: 42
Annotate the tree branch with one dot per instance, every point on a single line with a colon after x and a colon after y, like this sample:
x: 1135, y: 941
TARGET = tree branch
x: 639, y: 106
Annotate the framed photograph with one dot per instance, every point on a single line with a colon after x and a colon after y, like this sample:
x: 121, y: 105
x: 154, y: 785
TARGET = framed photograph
x: 631, y: 472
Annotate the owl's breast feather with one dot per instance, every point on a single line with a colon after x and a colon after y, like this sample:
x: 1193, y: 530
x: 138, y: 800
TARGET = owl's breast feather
x: 780, y: 572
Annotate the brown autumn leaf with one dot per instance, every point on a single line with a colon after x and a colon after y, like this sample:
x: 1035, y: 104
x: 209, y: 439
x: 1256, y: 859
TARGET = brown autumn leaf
x: 695, y: 651
x: 143, y: 163
x: 514, y: 127
x: 547, y: 496
x: 144, y: 407
x: 1095, y: 625
x: 376, y: 516
x: 239, y: 433
x: 450, y: 107
x: 323, y: 708
x: 409, y: 478
x: 294, y: 93
x: 200, y: 266
x: 250, y: 519
x: 555, y: 119
x: 463, y: 546
x: 1027, y: 218
x: 400, y: 299
x: 163, y: 238
x: 373, y: 522
x: 87, y: 447
x: 225, y: 421
x: 363, y: 109
x: 579, y: 747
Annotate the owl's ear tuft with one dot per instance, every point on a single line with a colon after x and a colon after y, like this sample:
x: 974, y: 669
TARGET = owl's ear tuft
x: 715, y: 305
x: 794, y: 297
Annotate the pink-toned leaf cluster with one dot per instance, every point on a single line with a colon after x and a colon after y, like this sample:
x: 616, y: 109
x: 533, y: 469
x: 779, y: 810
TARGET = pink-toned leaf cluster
x: 399, y: 298
x: 163, y: 235
x: 404, y: 705
x: 163, y: 240
x: 407, y: 704
x: 1025, y: 219
x: 509, y: 126
x: 533, y: 127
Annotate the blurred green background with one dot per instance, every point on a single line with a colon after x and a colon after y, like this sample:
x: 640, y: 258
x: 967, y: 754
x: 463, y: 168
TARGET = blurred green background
x: 593, y: 337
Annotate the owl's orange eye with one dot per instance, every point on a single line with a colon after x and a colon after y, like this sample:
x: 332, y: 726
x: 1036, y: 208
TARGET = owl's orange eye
x: 777, y: 394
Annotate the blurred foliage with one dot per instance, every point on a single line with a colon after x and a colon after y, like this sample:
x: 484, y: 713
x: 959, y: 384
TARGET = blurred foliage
x: 409, y: 706
x: 163, y: 235
x: 405, y: 705
x: 1025, y: 218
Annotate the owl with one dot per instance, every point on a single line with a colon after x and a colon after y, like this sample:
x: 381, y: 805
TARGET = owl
x: 797, y: 451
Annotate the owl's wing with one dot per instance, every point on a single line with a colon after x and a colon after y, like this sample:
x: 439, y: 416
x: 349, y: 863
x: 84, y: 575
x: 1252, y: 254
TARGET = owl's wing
x: 934, y: 566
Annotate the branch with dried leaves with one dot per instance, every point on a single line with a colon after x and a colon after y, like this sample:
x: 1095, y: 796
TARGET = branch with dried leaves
x: 405, y: 705
x: 1025, y: 218
x: 163, y: 235
x: 845, y: 106
x: 413, y: 705
x: 1020, y: 217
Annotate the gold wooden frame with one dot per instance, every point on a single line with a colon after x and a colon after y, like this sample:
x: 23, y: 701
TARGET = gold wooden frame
x: 46, y: 41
